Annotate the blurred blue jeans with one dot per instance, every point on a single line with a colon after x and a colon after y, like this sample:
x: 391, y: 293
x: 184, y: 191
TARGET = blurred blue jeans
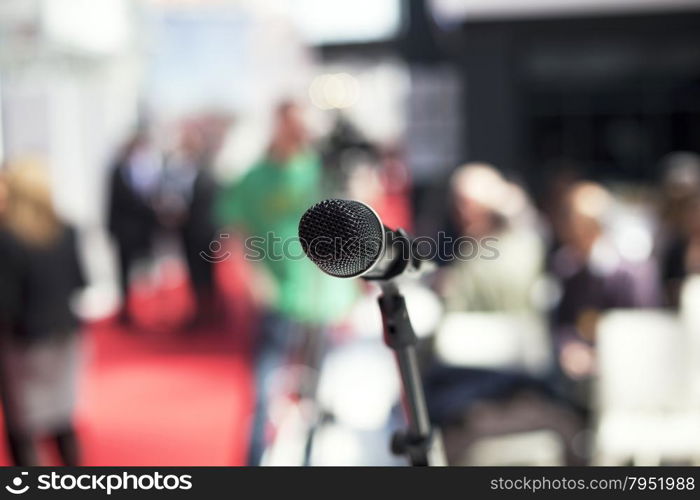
x: 276, y: 339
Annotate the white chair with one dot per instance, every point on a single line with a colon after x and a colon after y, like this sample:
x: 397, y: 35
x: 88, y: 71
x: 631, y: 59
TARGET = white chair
x: 499, y: 341
x: 645, y: 414
x: 542, y: 448
x: 690, y: 317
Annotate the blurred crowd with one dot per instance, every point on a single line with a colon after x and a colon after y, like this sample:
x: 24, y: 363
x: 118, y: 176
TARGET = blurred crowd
x: 563, y: 260
x: 527, y: 326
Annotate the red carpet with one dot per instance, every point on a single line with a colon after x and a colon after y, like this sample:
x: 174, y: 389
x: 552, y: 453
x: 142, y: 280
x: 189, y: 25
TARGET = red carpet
x: 154, y: 395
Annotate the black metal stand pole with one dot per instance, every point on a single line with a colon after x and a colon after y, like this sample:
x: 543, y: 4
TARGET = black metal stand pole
x: 418, y: 442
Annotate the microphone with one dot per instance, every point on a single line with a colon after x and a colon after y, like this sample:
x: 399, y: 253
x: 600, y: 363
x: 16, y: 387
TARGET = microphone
x: 346, y: 239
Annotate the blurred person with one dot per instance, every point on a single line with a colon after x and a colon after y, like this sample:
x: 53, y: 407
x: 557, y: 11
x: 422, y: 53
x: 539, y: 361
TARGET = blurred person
x: 214, y: 127
x: 683, y: 255
x: 6, y: 290
x: 296, y: 298
x: 495, y: 216
x: 558, y: 178
x: 488, y: 206
x: 680, y: 183
x: 392, y: 201
x: 185, y: 205
x: 396, y: 179
x: 342, y: 149
x: 594, y: 278
x: 680, y: 189
x: 4, y: 194
x: 132, y: 220
x: 40, y: 272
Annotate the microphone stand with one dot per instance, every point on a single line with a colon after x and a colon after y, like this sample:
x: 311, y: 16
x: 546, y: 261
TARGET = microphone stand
x: 419, y: 442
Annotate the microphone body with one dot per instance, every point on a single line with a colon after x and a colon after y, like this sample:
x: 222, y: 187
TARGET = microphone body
x: 346, y: 239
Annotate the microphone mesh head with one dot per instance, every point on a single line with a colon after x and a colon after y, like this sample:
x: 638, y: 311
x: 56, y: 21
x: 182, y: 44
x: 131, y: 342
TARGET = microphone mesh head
x: 342, y: 237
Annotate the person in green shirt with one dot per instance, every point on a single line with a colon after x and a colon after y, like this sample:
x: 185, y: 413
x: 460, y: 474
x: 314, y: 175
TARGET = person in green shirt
x: 266, y: 205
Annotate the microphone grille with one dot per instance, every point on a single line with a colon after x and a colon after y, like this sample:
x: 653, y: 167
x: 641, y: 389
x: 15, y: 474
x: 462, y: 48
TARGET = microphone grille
x: 344, y: 238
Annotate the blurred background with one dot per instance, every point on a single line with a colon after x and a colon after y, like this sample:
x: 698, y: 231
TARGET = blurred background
x: 142, y: 142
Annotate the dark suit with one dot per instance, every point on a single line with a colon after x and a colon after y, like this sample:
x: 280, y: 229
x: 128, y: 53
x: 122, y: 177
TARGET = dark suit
x: 132, y: 222
x: 197, y: 232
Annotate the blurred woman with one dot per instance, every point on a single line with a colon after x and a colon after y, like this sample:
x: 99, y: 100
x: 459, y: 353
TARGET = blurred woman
x: 594, y: 278
x: 683, y: 255
x: 495, y: 215
x: 680, y: 190
x: 39, y: 356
